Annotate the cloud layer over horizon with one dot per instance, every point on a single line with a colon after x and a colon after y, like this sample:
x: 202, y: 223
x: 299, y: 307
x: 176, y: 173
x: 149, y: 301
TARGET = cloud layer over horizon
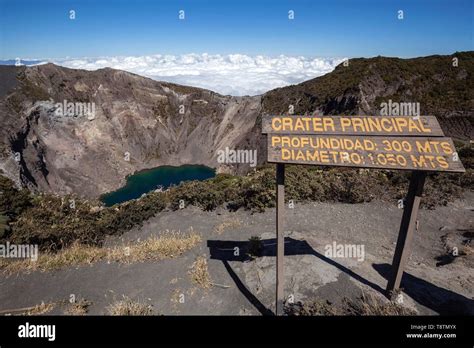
x: 234, y: 74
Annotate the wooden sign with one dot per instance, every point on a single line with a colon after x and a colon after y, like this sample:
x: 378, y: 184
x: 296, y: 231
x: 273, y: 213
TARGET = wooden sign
x: 426, y: 126
x: 411, y: 153
x: 382, y: 142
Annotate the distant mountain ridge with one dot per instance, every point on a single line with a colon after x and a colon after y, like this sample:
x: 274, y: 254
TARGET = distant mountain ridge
x: 158, y: 123
x: 441, y: 89
x: 22, y: 62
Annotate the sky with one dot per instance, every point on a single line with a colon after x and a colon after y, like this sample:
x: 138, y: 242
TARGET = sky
x: 147, y: 36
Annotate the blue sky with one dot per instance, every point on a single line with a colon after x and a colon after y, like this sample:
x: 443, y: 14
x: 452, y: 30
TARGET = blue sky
x: 329, y: 28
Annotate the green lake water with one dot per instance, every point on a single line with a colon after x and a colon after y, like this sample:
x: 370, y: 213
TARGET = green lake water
x: 150, y: 179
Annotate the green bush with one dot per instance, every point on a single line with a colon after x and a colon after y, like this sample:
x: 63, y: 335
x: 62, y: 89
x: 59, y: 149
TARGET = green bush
x: 255, y: 247
x: 12, y: 200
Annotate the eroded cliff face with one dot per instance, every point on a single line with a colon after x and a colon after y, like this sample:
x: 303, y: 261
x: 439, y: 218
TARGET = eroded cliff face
x: 137, y: 123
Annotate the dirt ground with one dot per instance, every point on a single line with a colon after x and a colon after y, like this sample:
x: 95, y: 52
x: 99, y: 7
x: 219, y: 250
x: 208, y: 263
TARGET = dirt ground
x: 245, y: 286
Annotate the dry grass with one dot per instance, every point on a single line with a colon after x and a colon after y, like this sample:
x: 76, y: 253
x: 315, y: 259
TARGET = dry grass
x: 128, y: 306
x: 200, y: 274
x: 40, y: 309
x: 230, y: 223
x: 311, y: 308
x: 168, y: 245
x: 369, y: 305
x: 365, y: 305
x: 80, y: 307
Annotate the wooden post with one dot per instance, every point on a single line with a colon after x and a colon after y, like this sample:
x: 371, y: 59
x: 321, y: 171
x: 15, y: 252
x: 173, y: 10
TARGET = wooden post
x: 405, y: 235
x: 280, y: 210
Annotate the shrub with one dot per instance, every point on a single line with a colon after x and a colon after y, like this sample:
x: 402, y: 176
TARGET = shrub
x: 255, y: 247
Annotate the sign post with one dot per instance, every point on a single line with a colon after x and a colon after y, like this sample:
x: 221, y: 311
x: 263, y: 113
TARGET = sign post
x: 407, y: 227
x: 380, y: 142
x: 280, y: 237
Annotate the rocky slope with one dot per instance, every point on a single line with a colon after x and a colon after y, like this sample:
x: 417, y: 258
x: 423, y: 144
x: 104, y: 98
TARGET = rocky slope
x: 140, y: 123
x: 442, y: 89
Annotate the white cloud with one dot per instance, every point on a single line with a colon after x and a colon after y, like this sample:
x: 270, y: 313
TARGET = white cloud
x: 234, y: 74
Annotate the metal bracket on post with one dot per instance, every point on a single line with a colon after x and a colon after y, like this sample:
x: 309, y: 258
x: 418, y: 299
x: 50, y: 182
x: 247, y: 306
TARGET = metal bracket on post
x: 280, y: 209
x: 407, y: 227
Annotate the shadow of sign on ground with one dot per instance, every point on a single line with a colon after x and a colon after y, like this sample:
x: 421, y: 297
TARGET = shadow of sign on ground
x: 238, y: 251
x: 440, y: 300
